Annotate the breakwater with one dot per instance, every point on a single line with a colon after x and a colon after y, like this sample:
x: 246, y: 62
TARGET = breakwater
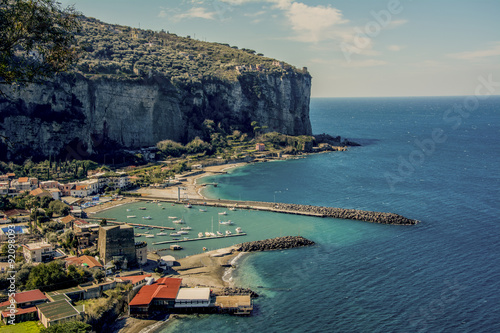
x: 349, y: 214
x: 279, y: 243
x: 307, y: 210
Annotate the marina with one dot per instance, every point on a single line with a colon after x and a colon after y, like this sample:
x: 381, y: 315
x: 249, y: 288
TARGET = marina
x: 198, y: 239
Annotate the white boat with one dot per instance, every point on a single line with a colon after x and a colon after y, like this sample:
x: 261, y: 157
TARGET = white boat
x: 238, y: 230
x: 174, y: 234
x: 223, y: 213
x: 172, y: 217
x: 150, y: 236
x: 228, y: 233
x: 178, y: 221
x: 188, y: 206
x: 186, y: 238
x: 142, y: 208
x: 233, y: 209
x: 131, y: 216
x: 186, y: 228
x: 207, y: 234
x: 200, y: 235
x: 219, y: 233
x: 203, y: 210
x: 183, y: 232
x: 146, y: 232
x: 138, y: 235
x: 159, y: 204
x: 147, y: 217
x: 212, y: 234
x: 128, y: 209
x: 162, y: 234
x: 228, y: 222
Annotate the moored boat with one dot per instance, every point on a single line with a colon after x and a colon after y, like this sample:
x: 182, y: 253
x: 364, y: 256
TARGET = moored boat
x: 131, y: 216
x: 238, y: 230
x: 228, y: 222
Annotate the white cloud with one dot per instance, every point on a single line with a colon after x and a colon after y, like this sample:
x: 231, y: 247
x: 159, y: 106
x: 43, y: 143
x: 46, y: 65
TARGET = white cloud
x: 364, y: 63
x: 162, y: 13
x: 196, y: 12
x: 396, y: 23
x: 395, y: 48
x: 479, y: 54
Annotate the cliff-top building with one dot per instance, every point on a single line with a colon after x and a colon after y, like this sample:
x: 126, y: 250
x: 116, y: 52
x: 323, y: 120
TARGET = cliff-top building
x: 117, y: 244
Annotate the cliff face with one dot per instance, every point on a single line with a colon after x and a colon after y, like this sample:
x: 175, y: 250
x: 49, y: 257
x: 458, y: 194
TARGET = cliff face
x: 78, y: 116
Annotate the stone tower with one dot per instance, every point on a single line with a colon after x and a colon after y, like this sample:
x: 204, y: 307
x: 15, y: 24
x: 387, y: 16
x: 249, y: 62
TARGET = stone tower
x: 117, y: 243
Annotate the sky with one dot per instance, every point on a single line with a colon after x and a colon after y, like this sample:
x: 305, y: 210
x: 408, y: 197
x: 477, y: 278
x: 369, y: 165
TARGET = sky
x: 362, y: 48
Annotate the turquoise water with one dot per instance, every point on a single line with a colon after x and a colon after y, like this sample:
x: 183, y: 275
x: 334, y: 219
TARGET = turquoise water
x: 438, y: 276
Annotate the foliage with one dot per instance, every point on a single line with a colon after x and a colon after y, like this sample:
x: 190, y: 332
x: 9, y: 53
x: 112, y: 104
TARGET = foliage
x: 24, y: 327
x: 59, y: 207
x: 38, y: 39
x: 68, y: 327
x: 53, y: 276
x: 106, y: 309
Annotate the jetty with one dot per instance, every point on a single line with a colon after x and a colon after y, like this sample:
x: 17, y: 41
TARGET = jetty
x: 296, y: 209
x: 198, y: 239
x: 140, y: 225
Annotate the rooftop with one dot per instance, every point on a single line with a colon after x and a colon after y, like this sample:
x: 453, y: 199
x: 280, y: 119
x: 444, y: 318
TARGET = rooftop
x: 164, y: 288
x: 57, y: 310
x: 193, y: 294
x: 134, y: 278
x: 6, y: 314
x: 37, y: 246
x: 29, y: 296
x: 88, y: 261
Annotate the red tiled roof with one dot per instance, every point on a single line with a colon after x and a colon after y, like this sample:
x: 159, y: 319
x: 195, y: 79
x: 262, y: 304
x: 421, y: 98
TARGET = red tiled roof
x: 6, y: 303
x: 88, y: 261
x: 80, y: 187
x: 6, y: 314
x: 168, y: 289
x: 134, y: 278
x: 68, y: 219
x: 23, y: 179
x: 29, y: 296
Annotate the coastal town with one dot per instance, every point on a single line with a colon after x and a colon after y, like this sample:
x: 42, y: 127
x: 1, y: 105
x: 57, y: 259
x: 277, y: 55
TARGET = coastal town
x: 101, y: 262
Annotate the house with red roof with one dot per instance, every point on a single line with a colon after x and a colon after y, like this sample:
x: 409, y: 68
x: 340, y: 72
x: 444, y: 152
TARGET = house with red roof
x: 29, y: 298
x: 160, y: 295
x: 135, y: 280
x: 84, y: 261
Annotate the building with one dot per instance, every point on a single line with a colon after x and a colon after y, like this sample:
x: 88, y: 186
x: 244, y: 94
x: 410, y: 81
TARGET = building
x: 55, y: 192
x: 38, y: 192
x: 57, y: 312
x: 30, y: 298
x: 38, y: 252
x: 135, y: 280
x: 192, y: 298
x: 22, y: 306
x: 260, y: 147
x: 84, y: 261
x: 160, y: 295
x: 17, y: 215
x: 117, y: 243
x: 167, y: 261
x: 49, y: 184
x: 141, y: 252
x: 80, y: 191
x: 68, y: 221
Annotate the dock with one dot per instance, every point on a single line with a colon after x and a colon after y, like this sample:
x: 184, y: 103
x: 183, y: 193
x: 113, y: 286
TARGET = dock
x: 198, y: 239
x: 143, y: 225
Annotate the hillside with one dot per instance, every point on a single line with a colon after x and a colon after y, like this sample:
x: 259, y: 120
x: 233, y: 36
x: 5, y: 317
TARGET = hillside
x: 133, y: 88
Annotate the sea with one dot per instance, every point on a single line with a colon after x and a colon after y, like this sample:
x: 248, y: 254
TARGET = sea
x: 435, y: 159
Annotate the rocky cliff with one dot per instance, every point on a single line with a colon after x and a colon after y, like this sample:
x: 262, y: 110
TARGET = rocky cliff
x: 132, y: 88
x: 77, y: 114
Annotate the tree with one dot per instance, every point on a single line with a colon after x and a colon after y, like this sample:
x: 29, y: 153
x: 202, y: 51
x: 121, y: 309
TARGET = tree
x: 38, y: 39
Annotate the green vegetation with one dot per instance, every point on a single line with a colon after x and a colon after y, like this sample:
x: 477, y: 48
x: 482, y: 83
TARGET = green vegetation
x: 133, y: 53
x: 49, y: 169
x: 100, y: 311
x: 26, y: 327
x: 37, y: 39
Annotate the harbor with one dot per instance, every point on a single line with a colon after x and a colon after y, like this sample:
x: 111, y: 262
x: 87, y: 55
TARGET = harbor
x: 198, y: 239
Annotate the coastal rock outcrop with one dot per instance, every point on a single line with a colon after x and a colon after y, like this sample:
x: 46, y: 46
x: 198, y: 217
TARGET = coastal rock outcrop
x: 278, y: 243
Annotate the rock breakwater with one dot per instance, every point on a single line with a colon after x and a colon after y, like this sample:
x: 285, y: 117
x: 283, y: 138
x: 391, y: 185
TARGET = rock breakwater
x: 349, y: 214
x: 278, y: 243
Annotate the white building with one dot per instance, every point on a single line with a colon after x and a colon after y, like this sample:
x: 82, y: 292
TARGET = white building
x: 38, y: 252
x: 91, y: 184
x: 192, y: 298
x: 80, y: 191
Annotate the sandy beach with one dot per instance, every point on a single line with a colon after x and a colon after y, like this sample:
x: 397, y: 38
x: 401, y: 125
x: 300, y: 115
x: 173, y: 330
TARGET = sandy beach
x: 190, y: 187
